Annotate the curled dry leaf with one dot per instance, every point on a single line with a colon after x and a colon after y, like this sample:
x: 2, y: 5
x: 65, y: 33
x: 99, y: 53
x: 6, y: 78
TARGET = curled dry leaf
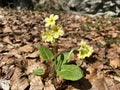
x: 115, y: 63
x: 7, y: 29
x: 19, y: 80
x: 49, y: 86
x: 1, y: 17
x: 98, y: 82
x: 34, y: 66
x: 26, y: 48
x: 117, y: 78
x: 36, y: 83
x: 8, y: 73
x: 13, y: 52
x: 33, y: 55
x: 7, y: 40
x: 102, y: 42
x: 71, y: 88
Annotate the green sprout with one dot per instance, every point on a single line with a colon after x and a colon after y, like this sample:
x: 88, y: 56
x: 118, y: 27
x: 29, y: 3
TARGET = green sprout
x: 61, y: 61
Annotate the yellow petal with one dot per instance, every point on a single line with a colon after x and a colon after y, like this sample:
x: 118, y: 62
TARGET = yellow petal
x: 56, y: 17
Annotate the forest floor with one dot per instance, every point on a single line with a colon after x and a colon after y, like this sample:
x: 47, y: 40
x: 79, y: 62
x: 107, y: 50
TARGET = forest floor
x: 20, y: 36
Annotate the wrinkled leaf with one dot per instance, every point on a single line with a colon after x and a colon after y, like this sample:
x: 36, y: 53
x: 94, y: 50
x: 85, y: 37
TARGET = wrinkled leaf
x: 38, y: 72
x: 45, y: 53
x: 70, y: 72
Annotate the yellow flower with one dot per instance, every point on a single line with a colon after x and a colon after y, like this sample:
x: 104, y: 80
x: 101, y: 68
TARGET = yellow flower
x: 48, y: 36
x: 57, y: 31
x: 51, y: 20
x: 85, y: 50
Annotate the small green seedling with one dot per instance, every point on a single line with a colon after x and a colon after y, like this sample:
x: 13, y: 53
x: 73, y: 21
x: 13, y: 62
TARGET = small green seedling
x: 61, y: 62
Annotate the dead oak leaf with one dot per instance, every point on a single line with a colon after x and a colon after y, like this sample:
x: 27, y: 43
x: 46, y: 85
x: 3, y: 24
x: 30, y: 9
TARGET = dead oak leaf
x: 49, y: 86
x: 36, y: 83
x: 33, y: 65
x: 115, y: 63
x: 19, y: 80
x: 7, y: 40
x: 33, y: 55
x: 26, y: 48
x: 7, y: 29
x: 13, y: 52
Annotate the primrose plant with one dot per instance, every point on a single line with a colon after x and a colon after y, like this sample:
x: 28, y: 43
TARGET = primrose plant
x: 62, y: 67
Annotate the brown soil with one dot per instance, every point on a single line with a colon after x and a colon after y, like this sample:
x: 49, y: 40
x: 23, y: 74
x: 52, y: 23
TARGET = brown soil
x: 20, y: 36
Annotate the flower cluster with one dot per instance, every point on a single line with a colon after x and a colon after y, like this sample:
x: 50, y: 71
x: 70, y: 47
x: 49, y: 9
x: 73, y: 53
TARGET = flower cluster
x: 53, y: 30
x: 84, y: 50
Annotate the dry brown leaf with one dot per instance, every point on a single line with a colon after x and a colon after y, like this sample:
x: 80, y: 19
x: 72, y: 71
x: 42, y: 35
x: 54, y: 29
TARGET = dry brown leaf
x: 49, y: 86
x: 71, y: 88
x: 26, y: 48
x: 19, y: 81
x: 1, y: 45
x: 74, y: 25
x: 113, y: 34
x: 13, y: 52
x: 115, y: 63
x: 99, y: 84
x: 116, y: 78
x: 36, y: 83
x: 10, y: 47
x: 7, y: 29
x: 102, y: 42
x: 1, y: 17
x: 33, y: 65
x: 33, y: 55
x: 95, y: 66
x: 7, y: 40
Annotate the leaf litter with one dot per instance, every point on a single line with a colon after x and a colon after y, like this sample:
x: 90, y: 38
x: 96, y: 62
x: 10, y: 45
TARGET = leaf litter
x: 20, y: 36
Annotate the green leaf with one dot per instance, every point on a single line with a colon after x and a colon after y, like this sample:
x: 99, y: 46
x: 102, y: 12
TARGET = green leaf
x: 59, y: 62
x: 65, y: 56
x: 38, y: 72
x: 45, y: 53
x: 70, y: 72
x: 89, y: 24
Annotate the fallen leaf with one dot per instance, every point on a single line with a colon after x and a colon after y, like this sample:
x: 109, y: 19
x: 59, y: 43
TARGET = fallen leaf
x: 71, y: 88
x: 117, y: 78
x: 115, y: 63
x: 1, y: 17
x: 7, y: 29
x: 13, y: 52
x: 49, y: 86
x: 36, y: 83
x: 7, y: 40
x: 34, y: 66
x: 102, y: 42
x: 4, y: 84
x: 33, y: 55
x: 19, y: 80
x: 26, y: 48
